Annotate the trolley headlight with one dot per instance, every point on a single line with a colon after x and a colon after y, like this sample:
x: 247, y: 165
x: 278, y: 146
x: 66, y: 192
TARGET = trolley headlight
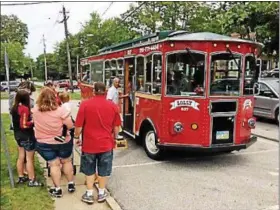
x: 252, y: 123
x: 178, y: 127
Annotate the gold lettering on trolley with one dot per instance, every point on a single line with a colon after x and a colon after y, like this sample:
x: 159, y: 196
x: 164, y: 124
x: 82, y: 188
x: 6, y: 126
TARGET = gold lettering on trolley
x: 149, y: 48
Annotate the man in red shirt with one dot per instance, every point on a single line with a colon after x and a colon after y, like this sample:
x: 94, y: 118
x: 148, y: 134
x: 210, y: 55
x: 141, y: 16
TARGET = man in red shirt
x: 99, y: 119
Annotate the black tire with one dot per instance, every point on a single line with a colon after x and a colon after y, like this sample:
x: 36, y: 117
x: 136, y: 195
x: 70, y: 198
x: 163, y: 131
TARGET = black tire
x: 139, y: 140
x: 158, y: 154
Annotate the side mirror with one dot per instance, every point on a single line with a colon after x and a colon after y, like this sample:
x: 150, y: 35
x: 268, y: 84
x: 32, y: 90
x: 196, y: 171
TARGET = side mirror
x: 256, y: 89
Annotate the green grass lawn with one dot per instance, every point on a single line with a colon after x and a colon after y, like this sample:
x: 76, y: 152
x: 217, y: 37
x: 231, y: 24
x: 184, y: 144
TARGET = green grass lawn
x: 21, y: 197
x: 75, y: 95
x: 4, y: 95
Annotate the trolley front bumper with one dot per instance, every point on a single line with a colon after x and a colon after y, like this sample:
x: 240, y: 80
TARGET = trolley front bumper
x: 212, y: 148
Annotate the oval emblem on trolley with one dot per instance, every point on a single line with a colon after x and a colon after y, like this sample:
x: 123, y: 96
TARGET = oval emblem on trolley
x: 184, y: 103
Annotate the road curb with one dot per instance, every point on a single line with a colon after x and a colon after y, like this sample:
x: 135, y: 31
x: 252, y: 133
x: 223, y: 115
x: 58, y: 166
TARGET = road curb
x: 268, y: 138
x: 112, y: 203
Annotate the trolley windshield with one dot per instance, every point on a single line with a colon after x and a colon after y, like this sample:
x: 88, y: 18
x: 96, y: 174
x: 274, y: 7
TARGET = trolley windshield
x: 185, y: 74
x: 225, y: 74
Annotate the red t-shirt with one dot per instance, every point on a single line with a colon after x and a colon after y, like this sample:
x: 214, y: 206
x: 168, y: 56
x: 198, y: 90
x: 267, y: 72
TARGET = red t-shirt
x: 98, y: 117
x: 24, y: 114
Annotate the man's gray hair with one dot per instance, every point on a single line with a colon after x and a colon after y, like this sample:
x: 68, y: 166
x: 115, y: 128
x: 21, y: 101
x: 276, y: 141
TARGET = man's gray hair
x: 116, y: 79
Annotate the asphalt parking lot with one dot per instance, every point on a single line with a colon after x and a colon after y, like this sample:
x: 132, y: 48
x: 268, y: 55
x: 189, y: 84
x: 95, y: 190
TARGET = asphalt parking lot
x: 245, y: 180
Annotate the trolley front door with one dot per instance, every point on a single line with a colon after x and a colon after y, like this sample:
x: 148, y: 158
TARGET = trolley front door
x: 128, y: 110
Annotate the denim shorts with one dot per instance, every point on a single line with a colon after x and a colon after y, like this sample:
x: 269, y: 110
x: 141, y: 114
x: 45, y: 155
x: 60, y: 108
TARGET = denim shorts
x: 28, y: 145
x: 102, y: 161
x: 52, y: 151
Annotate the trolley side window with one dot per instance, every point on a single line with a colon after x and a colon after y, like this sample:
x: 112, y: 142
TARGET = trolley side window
x: 120, y: 70
x: 107, y: 73
x: 249, y: 75
x: 113, y: 64
x: 225, y: 74
x: 185, y: 74
x: 97, y: 71
x: 148, y: 75
x: 153, y: 74
x: 140, y: 63
x: 157, y: 73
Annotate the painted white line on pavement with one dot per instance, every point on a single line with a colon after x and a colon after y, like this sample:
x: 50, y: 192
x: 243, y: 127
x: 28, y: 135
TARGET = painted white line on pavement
x: 272, y: 208
x: 140, y: 164
x: 273, y: 173
x: 168, y: 161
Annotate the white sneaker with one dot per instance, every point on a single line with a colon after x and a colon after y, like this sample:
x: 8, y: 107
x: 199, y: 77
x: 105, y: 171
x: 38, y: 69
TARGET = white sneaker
x: 119, y: 137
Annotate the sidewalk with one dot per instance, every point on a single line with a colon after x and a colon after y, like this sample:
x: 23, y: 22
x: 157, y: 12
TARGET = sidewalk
x: 73, y: 201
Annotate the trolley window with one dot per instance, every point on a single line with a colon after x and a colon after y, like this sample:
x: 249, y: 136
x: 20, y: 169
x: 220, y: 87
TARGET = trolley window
x: 185, y: 74
x: 108, y: 73
x: 153, y: 74
x: 225, y: 74
x: 97, y: 71
x: 249, y: 75
x: 120, y: 70
x: 140, y: 62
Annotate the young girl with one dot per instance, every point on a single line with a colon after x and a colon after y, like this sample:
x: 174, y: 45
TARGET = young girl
x: 65, y: 100
x: 24, y: 135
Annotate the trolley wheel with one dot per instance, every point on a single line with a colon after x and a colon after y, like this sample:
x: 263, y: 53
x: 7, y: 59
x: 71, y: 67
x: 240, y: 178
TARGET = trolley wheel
x: 49, y: 171
x: 74, y: 169
x: 150, y: 145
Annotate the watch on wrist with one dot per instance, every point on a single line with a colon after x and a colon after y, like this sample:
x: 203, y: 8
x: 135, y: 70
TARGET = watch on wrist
x: 76, y: 137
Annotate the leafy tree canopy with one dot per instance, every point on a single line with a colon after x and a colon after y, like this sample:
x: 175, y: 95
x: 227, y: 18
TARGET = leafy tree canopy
x: 13, y: 30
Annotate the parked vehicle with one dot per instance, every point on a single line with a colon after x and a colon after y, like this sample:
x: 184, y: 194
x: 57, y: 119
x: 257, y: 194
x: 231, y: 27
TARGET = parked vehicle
x: 272, y: 73
x: 63, y: 83
x: 75, y: 84
x: 267, y: 102
x: 13, y: 85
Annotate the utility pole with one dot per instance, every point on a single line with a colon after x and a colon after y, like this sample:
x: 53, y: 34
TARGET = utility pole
x: 46, y: 70
x: 77, y: 67
x: 67, y: 45
x: 31, y: 71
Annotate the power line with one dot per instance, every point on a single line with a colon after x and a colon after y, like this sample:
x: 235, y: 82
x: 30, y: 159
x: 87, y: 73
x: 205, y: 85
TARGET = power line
x: 140, y: 5
x: 107, y: 9
x: 30, y: 3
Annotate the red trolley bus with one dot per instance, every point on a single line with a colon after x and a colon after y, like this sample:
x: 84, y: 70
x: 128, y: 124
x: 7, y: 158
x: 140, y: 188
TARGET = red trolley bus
x: 188, y: 90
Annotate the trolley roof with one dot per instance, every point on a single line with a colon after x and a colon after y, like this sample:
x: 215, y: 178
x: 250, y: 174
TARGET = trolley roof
x: 174, y: 36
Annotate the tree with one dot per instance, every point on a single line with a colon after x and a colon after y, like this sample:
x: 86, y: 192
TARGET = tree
x: 94, y: 35
x: 259, y: 17
x: 18, y: 63
x: 52, y: 64
x: 13, y: 30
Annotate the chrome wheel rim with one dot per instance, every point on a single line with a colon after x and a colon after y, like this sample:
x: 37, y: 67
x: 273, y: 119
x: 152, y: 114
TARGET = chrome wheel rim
x: 150, y: 141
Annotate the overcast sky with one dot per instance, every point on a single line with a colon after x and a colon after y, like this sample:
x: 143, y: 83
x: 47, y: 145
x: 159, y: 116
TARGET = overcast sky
x: 41, y: 19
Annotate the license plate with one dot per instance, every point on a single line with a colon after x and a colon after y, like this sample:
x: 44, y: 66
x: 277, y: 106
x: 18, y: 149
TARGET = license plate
x: 222, y: 135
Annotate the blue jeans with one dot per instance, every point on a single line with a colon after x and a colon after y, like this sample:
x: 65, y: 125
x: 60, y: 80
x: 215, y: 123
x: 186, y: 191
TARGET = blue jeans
x: 52, y: 151
x: 103, y: 162
x: 28, y: 142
